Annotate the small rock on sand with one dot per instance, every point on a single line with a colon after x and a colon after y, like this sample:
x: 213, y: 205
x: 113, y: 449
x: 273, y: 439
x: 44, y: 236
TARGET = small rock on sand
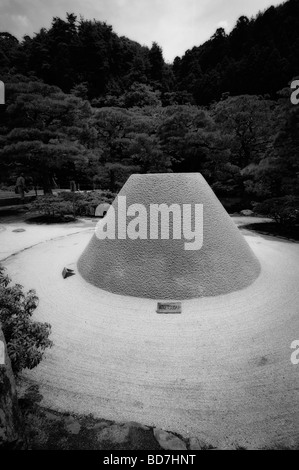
x: 169, y: 441
x: 51, y: 416
x: 247, y: 212
x: 200, y: 443
x: 129, y: 435
x: 72, y: 426
x: 134, y: 424
x: 98, y: 426
x: 115, y: 433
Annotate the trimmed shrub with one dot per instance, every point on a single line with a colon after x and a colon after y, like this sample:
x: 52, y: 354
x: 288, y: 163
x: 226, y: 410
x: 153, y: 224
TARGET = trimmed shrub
x: 51, y: 206
x: 85, y: 203
x: 70, y: 203
x: 284, y: 210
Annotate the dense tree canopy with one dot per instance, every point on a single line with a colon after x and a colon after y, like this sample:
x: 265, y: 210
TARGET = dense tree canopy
x: 259, y: 56
x: 85, y: 104
x: 44, y: 130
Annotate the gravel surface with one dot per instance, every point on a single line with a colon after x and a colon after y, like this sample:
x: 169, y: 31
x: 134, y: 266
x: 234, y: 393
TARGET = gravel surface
x: 221, y: 369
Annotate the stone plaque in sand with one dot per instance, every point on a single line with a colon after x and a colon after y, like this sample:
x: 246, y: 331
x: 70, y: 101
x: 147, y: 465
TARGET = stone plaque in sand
x: 169, y: 307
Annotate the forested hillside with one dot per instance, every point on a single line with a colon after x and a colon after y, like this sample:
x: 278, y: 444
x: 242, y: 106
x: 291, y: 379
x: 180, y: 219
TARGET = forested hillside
x: 85, y: 104
x: 86, y: 57
x: 259, y: 56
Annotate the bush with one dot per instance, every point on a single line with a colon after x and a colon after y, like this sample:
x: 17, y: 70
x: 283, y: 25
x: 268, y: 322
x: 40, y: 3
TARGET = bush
x: 66, y: 203
x: 51, y: 206
x: 26, y: 339
x: 85, y: 203
x: 284, y: 210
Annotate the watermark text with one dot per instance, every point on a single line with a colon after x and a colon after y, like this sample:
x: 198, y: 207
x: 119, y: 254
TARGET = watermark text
x: 2, y: 93
x: 153, y: 223
x: 295, y: 354
x: 295, y: 93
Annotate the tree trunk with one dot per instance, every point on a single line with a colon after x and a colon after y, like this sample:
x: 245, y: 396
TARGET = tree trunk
x: 47, y: 184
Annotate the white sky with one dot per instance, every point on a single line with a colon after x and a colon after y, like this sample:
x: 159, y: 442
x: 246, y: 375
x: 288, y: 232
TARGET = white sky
x: 176, y: 25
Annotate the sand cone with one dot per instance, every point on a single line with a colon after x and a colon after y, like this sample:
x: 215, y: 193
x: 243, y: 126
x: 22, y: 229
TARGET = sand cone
x: 163, y: 268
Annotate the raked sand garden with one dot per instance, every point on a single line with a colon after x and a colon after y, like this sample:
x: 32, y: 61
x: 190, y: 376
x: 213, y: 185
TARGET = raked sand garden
x: 221, y: 371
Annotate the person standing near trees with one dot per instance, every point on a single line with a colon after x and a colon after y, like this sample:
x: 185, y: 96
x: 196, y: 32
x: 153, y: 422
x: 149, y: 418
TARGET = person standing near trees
x: 21, y: 187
